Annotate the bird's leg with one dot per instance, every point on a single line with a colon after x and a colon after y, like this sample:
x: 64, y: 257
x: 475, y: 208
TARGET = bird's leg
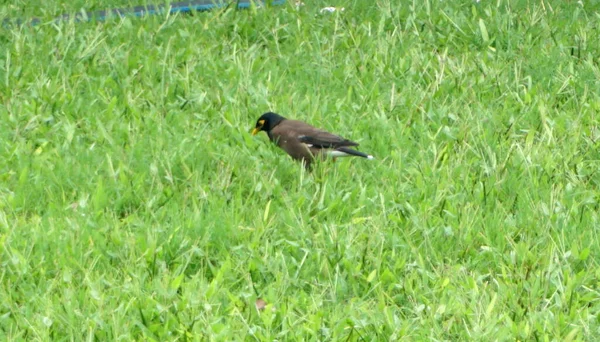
x: 307, y: 164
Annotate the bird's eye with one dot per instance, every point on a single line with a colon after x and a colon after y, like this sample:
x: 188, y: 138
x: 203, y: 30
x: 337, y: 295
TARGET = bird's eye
x: 261, y: 123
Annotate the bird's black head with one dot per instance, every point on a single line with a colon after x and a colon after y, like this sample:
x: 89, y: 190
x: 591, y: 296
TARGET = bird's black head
x: 266, y: 122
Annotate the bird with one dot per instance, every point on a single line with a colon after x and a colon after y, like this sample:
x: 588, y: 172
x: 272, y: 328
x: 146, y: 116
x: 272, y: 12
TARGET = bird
x: 304, y: 142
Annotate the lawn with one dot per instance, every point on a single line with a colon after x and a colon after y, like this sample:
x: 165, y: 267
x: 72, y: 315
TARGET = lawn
x: 135, y: 204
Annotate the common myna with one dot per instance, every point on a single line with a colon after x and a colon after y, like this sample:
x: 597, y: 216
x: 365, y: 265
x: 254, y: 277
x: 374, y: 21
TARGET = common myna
x: 304, y: 142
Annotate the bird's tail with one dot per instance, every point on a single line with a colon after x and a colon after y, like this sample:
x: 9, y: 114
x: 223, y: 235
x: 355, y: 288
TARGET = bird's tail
x: 354, y: 152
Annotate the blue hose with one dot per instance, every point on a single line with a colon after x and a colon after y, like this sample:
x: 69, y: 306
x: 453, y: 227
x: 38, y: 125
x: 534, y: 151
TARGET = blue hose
x: 139, y: 11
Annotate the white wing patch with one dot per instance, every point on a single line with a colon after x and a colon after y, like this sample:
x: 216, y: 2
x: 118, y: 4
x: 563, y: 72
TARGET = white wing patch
x: 301, y: 137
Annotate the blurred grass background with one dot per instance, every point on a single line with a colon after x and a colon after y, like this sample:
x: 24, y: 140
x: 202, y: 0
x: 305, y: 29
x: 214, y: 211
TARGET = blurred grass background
x: 134, y: 204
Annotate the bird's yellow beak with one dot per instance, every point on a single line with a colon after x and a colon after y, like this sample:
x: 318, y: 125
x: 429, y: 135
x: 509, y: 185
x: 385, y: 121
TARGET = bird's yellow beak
x: 258, y: 127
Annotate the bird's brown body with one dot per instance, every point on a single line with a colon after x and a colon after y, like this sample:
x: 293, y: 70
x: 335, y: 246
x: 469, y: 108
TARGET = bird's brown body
x: 304, y: 142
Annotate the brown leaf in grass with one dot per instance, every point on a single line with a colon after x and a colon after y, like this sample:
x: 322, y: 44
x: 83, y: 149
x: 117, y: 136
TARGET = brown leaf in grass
x: 260, y: 304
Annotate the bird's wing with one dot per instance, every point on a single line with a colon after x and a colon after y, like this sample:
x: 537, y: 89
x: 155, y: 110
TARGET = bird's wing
x: 324, y: 139
x: 312, y: 136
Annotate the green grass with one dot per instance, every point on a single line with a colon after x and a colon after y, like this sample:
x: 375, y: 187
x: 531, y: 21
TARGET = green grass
x: 135, y: 205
